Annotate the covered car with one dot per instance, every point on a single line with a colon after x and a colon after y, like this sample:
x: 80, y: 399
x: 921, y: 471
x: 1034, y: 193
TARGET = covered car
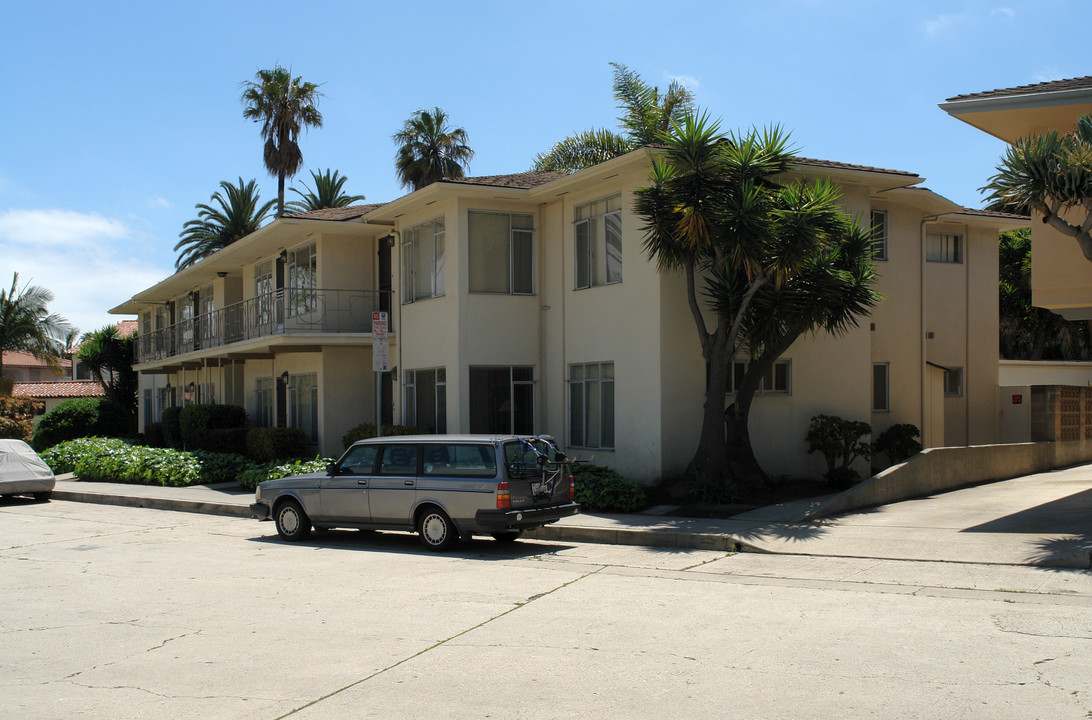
x: 22, y: 472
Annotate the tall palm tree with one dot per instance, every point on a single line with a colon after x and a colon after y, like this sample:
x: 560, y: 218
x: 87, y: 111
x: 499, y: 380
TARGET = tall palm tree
x: 238, y: 213
x: 327, y: 193
x: 430, y: 150
x: 647, y: 116
x: 26, y: 324
x: 282, y: 104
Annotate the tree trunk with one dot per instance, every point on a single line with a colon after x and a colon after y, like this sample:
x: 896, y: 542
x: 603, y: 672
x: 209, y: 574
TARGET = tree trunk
x: 743, y: 464
x: 711, y: 457
x: 280, y: 194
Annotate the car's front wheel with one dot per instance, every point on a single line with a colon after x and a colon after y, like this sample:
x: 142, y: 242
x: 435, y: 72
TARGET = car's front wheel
x: 292, y: 522
x: 437, y: 531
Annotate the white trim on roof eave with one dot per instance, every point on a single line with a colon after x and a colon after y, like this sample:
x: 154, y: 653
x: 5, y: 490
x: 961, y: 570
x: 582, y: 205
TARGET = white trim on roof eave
x: 1075, y: 96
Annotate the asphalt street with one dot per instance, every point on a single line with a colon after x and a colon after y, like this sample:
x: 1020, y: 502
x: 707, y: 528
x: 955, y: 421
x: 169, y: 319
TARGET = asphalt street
x: 118, y: 612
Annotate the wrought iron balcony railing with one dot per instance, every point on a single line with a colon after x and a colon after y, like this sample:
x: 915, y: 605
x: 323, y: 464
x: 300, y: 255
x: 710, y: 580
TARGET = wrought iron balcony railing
x: 284, y: 312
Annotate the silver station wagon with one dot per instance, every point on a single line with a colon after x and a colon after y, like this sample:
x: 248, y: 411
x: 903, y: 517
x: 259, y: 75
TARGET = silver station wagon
x: 442, y: 486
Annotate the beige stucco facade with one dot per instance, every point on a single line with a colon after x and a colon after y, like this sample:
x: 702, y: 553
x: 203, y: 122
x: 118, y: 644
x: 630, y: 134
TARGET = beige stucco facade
x: 564, y: 354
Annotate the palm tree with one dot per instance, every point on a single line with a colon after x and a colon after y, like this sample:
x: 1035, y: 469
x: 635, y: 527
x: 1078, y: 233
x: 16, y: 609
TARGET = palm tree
x: 647, y: 116
x: 238, y: 213
x: 1051, y: 174
x: 282, y: 104
x: 430, y: 150
x: 27, y: 325
x: 779, y: 261
x: 109, y: 357
x: 327, y: 193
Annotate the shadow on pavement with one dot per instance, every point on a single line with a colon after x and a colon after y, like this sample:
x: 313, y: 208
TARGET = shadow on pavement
x: 1070, y: 515
x: 408, y: 544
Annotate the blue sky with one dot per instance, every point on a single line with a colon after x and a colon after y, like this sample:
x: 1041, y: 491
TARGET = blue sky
x: 119, y: 117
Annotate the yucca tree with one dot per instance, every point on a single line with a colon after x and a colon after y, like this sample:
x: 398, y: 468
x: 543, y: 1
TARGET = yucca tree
x: 109, y: 357
x: 777, y: 261
x: 1050, y: 173
x: 283, y: 105
x: 430, y: 150
x: 229, y: 217
x: 328, y: 193
x: 27, y: 325
x: 646, y: 116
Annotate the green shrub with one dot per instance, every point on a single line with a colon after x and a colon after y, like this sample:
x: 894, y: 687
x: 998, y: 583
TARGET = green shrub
x: 272, y: 471
x: 367, y: 430
x: 839, y: 440
x: 153, y: 435
x: 604, y: 490
x: 264, y: 445
x: 80, y: 417
x: 172, y: 430
x: 715, y: 489
x: 898, y: 442
x: 17, y: 417
x: 216, y: 428
x: 112, y: 460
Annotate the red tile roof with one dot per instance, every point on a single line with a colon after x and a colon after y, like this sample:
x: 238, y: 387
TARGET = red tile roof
x: 18, y: 358
x: 58, y: 389
x: 1080, y: 83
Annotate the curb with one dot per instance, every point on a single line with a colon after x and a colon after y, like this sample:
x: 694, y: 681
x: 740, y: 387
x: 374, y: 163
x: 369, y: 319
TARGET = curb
x: 204, y: 508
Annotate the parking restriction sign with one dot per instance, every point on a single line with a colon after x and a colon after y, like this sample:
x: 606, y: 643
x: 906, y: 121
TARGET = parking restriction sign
x: 379, y: 325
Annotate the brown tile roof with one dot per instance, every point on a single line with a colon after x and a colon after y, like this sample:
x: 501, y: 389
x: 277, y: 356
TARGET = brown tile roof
x: 58, y: 389
x: 523, y: 180
x: 832, y: 165
x: 349, y: 212
x: 126, y: 328
x: 993, y: 214
x: 1079, y: 83
x: 18, y: 358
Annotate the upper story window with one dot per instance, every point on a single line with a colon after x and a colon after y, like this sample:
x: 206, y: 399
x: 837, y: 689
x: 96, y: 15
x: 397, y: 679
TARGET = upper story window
x: 263, y: 292
x: 599, y: 242
x: 302, y: 274
x: 423, y: 261
x: 501, y: 257
x: 879, y: 235
x: 944, y: 247
x: 953, y: 382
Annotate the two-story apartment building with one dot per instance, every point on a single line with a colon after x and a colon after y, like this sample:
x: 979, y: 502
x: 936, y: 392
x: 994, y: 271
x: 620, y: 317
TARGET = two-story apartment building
x: 526, y: 303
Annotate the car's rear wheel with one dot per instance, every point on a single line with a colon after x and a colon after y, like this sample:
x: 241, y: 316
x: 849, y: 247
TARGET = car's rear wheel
x: 43, y: 496
x: 292, y: 522
x: 437, y: 531
x: 507, y: 536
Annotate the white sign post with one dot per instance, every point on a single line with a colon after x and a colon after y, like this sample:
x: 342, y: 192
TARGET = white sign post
x: 381, y: 362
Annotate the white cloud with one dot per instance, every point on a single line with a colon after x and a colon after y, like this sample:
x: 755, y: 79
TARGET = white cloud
x: 1003, y: 12
x: 941, y: 25
x: 58, y: 228
x: 159, y: 202
x: 685, y: 80
x: 85, y: 260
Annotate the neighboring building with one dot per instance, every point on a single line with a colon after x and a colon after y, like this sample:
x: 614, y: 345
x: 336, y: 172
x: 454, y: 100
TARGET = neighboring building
x: 1061, y: 277
x: 25, y: 367
x: 526, y: 303
x: 52, y: 393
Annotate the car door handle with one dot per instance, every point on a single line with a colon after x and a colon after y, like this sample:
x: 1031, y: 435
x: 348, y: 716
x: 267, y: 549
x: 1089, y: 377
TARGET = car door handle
x: 362, y: 482
x: 409, y: 482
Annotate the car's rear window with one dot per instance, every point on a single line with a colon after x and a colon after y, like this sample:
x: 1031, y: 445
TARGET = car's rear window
x: 459, y: 460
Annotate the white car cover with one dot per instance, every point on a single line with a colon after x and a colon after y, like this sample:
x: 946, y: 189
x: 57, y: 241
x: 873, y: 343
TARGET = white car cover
x: 21, y: 470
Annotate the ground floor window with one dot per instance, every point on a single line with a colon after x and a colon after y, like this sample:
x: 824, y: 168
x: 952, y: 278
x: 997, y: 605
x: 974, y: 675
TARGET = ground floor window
x: 426, y: 399
x: 881, y: 387
x: 953, y: 382
x: 163, y: 400
x: 502, y: 400
x: 303, y: 404
x: 591, y: 405
x: 263, y: 402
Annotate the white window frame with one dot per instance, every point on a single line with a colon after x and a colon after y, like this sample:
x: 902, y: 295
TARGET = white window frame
x: 516, y: 235
x: 739, y: 369
x: 885, y: 406
x: 602, y: 413
x: 954, y: 374
x: 301, y: 280
x: 593, y: 264
x: 409, y: 396
x: 263, y: 293
x: 944, y: 248
x: 879, y: 246
x: 418, y: 285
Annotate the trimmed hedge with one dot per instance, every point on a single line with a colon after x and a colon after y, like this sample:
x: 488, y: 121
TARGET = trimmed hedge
x: 272, y: 471
x: 80, y: 417
x: 367, y: 430
x: 215, y: 428
x: 267, y: 444
x: 602, y: 489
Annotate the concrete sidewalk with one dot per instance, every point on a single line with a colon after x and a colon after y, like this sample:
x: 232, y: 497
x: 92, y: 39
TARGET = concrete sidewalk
x: 1043, y: 519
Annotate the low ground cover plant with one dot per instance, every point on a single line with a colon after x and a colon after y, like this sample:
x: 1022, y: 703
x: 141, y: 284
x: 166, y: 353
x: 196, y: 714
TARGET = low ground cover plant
x: 601, y: 489
x: 99, y: 459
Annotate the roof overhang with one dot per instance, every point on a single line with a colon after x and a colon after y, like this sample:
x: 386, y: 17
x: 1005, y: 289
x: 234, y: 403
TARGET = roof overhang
x: 1011, y: 117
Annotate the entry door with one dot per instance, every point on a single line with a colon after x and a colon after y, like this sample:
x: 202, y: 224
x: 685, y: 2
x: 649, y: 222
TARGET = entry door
x: 394, y: 486
x: 344, y: 496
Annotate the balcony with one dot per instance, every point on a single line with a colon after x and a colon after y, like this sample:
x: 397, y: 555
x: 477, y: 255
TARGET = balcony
x: 284, y: 312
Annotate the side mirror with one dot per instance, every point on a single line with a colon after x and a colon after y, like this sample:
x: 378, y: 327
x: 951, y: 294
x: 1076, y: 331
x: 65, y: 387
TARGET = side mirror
x: 331, y: 469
